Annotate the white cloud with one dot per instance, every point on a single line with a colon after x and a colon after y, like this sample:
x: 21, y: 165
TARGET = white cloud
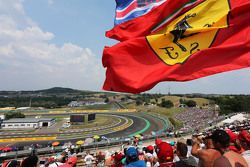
x: 50, y: 2
x: 29, y: 59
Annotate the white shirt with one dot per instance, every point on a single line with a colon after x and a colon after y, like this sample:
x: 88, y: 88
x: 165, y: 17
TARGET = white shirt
x: 55, y: 164
x: 148, y: 156
x: 246, y: 156
x: 88, y: 159
x: 190, y: 155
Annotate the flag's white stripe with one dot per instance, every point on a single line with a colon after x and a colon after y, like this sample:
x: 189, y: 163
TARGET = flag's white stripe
x: 140, y: 9
x: 121, y: 10
x: 168, y: 19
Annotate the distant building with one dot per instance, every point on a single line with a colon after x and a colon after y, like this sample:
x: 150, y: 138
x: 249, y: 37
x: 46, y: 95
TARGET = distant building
x: 23, y: 108
x: 74, y: 104
x: 85, y: 103
x: 17, y: 123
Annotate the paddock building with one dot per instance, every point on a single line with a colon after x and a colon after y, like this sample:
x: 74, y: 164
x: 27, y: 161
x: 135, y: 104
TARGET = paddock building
x: 17, y: 123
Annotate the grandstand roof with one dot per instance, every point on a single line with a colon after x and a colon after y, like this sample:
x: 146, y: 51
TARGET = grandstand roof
x: 28, y: 120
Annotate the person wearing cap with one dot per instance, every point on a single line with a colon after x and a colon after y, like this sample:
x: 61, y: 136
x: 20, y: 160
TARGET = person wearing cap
x: 165, y: 155
x: 100, y: 159
x: 132, y: 159
x: 206, y: 156
x: 158, y: 141
x: 88, y: 159
x: 228, y: 158
x: 118, y: 156
x: 149, y: 156
x: 234, y: 142
x: 244, y: 138
x: 72, y: 161
x: 181, y: 150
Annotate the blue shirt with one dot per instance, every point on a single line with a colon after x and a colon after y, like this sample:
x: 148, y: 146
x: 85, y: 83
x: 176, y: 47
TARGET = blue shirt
x: 139, y: 163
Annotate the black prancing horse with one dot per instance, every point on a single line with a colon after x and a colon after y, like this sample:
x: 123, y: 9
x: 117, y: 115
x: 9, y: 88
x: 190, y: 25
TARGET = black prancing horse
x: 180, y: 29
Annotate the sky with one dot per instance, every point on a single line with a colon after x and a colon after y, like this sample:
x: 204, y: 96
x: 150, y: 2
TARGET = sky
x: 59, y: 43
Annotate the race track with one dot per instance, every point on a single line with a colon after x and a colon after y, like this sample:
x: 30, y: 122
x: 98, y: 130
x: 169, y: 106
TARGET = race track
x: 120, y: 125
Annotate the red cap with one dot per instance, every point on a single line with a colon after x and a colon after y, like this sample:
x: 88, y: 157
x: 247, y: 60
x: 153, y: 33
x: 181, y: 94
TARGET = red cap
x: 72, y: 160
x: 232, y: 135
x: 65, y: 165
x: 150, y: 148
x: 244, y: 136
x: 158, y: 141
x: 165, y: 152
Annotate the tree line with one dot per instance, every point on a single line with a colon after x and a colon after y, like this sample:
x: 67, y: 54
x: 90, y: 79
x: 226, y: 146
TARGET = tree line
x: 46, y: 102
x: 232, y: 103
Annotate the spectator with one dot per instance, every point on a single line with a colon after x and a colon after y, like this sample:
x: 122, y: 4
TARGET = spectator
x: 165, y: 155
x: 149, y: 156
x: 158, y: 141
x: 124, y: 160
x: 100, y: 159
x: 136, y: 141
x: 234, y: 144
x: 185, y: 161
x: 118, y: 159
x: 108, y: 158
x: 244, y: 138
x: 89, y: 159
x: 30, y: 161
x: 132, y: 159
x: 189, y: 146
x: 59, y: 159
x: 206, y: 156
x: 221, y: 141
x: 72, y: 161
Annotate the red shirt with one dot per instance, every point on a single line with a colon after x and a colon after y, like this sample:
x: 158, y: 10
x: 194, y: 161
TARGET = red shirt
x: 167, y: 164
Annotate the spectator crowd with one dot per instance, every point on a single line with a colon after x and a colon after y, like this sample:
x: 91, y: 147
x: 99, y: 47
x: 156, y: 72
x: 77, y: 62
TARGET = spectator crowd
x: 195, y: 117
x: 224, y: 146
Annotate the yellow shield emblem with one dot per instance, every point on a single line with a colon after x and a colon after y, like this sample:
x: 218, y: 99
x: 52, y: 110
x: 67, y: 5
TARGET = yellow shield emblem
x: 191, y: 32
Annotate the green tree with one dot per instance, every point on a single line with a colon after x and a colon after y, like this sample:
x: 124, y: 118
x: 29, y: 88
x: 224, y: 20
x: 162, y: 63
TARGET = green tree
x: 166, y: 103
x: 190, y: 103
x: 10, y: 115
x: 182, y: 101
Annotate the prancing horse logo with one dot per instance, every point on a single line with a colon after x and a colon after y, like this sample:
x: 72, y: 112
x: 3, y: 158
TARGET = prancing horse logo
x: 190, y: 33
x: 180, y: 29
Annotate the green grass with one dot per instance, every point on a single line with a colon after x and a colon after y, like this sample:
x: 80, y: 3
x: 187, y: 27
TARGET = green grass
x: 18, y: 130
x: 160, y: 110
x: 165, y: 112
x: 176, y: 99
x: 100, y: 121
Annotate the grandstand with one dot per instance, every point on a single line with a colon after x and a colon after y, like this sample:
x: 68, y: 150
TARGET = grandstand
x: 107, y: 147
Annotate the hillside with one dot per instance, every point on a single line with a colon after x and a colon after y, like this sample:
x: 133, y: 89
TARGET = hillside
x: 59, y: 97
x: 50, y: 91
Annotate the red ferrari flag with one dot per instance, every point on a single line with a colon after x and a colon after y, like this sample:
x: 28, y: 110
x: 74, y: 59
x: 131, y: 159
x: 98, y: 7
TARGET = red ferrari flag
x: 210, y: 38
x: 153, y: 20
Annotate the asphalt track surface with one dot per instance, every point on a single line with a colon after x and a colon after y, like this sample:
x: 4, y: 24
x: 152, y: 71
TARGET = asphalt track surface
x: 143, y: 123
